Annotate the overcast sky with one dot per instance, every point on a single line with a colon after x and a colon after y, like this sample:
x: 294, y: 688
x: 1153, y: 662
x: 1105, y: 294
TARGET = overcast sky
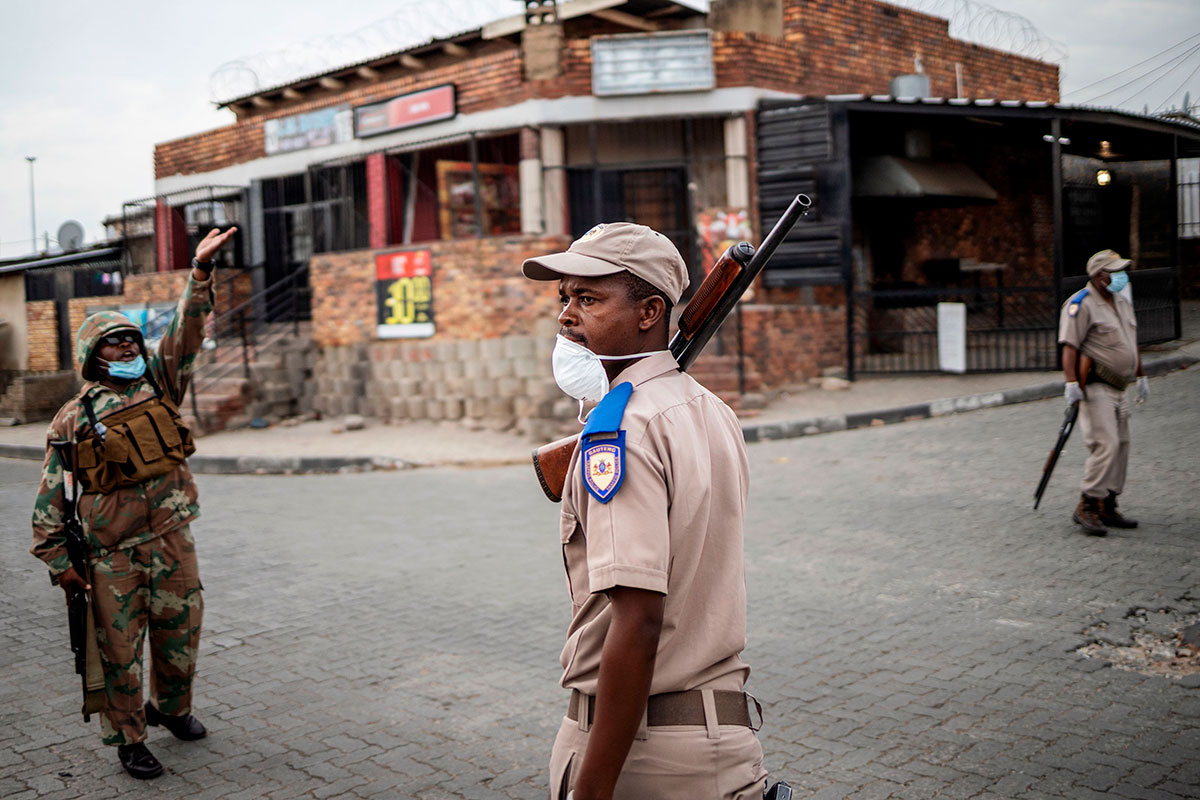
x: 88, y: 88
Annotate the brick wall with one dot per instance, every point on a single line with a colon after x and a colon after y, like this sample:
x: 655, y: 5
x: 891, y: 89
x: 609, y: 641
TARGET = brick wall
x: 828, y: 47
x: 860, y: 45
x: 490, y: 81
x: 478, y: 290
x: 42, y: 320
x: 787, y: 344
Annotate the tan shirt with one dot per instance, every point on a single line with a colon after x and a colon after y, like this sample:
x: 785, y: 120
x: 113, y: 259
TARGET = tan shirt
x: 1106, y: 333
x: 674, y: 526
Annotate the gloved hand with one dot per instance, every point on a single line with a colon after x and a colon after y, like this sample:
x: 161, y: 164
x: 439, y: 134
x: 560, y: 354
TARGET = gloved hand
x: 1073, y: 393
x: 1143, y: 389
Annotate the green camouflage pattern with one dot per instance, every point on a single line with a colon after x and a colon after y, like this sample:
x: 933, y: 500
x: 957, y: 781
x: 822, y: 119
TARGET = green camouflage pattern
x: 154, y: 586
x: 132, y: 515
x: 143, y: 557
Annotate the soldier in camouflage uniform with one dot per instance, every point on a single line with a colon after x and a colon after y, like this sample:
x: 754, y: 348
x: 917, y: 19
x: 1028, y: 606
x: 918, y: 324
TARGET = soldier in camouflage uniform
x: 143, y: 557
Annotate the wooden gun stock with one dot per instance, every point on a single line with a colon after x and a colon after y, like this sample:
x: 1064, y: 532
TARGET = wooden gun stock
x: 716, y: 296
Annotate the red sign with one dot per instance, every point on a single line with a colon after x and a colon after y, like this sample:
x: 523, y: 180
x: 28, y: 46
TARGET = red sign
x: 403, y: 264
x: 405, y: 111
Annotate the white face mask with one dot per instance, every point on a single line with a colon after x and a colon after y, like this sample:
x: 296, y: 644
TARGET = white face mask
x: 580, y: 373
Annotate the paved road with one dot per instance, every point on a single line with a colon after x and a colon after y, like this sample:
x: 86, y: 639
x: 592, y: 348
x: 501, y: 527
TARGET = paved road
x: 912, y: 624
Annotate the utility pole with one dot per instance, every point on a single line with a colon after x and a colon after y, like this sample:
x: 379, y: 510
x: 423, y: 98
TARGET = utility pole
x: 32, y: 214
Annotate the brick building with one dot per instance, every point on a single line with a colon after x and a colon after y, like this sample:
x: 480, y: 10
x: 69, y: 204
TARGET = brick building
x: 397, y: 196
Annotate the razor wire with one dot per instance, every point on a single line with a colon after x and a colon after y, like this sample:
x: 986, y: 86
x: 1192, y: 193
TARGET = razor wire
x: 987, y: 25
x: 412, y: 24
x: 420, y: 21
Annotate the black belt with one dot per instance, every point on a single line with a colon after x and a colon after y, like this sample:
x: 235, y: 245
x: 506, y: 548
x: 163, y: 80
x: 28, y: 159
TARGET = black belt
x: 678, y: 708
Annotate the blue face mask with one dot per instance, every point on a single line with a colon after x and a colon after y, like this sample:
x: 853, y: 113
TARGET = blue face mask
x: 1119, y: 281
x: 125, y: 370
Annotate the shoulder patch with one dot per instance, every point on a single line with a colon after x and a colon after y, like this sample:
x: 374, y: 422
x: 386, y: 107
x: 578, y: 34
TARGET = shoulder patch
x: 1076, y: 299
x: 602, y: 458
x: 604, y: 466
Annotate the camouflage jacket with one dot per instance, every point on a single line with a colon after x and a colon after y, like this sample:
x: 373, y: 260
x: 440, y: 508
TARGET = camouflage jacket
x: 135, y: 514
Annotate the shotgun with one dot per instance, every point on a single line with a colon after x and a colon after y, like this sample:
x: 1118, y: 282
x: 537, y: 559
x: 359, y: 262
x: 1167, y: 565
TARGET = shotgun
x: 716, y: 297
x: 1083, y: 366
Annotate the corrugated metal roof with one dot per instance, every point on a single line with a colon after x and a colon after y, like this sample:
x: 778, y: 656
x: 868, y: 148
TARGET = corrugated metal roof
x: 994, y: 103
x: 18, y: 265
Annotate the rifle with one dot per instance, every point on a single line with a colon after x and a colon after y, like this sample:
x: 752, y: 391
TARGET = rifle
x: 717, y: 295
x: 80, y: 621
x: 1083, y: 366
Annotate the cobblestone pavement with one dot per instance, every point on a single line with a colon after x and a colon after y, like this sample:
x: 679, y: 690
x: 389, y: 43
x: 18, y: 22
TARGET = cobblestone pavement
x: 912, y: 626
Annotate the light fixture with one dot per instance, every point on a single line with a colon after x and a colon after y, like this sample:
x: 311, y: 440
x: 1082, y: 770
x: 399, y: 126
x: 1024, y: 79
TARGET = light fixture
x: 1103, y: 177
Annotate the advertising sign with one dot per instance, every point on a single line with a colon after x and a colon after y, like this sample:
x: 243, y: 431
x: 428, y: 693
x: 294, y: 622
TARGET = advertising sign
x: 405, y: 111
x: 312, y: 129
x: 404, y: 294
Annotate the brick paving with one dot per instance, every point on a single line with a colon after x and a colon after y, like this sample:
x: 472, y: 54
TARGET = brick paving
x: 912, y: 626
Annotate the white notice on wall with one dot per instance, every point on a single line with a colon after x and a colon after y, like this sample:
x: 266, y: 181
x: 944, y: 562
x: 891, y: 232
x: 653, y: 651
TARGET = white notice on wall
x: 952, y: 337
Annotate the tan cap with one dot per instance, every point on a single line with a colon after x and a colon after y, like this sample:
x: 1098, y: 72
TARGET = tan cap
x: 612, y: 247
x: 1106, y: 261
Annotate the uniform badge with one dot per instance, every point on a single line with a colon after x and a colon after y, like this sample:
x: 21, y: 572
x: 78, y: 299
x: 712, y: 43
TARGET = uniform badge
x: 1072, y: 309
x: 604, y: 467
x: 593, y: 233
x: 603, y: 454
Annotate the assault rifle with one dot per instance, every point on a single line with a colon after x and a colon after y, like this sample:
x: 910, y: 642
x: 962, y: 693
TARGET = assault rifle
x: 79, y: 610
x: 720, y: 291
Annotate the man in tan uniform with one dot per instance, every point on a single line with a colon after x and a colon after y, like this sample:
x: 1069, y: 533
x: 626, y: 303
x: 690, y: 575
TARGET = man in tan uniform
x: 651, y: 531
x: 1098, y: 322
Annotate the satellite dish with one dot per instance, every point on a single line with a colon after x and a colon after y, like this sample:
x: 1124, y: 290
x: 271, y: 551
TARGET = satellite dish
x: 70, y: 235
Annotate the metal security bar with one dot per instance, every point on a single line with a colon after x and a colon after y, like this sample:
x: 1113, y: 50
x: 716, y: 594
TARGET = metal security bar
x: 1012, y: 329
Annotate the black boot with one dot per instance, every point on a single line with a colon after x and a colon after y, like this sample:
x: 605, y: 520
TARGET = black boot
x: 1111, y: 517
x: 138, y: 761
x: 1087, y: 514
x: 186, y: 727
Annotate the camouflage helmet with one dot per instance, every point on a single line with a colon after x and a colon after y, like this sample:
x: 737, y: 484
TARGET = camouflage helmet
x: 93, y: 329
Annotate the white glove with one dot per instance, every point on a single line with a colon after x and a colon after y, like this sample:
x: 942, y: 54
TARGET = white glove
x: 1143, y: 389
x: 1073, y: 393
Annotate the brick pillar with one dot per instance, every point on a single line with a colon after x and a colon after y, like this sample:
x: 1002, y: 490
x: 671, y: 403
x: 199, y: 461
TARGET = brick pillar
x: 377, y: 201
x: 530, y: 172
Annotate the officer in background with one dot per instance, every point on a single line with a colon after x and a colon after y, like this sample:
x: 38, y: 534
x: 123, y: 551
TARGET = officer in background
x: 651, y: 531
x: 1098, y: 322
x: 137, y: 500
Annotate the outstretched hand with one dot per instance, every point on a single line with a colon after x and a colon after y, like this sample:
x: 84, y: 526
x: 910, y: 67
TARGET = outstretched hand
x: 213, y: 242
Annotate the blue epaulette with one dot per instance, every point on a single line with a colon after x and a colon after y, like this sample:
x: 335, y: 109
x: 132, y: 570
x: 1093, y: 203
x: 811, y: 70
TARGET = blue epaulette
x: 1078, y: 296
x: 602, y: 444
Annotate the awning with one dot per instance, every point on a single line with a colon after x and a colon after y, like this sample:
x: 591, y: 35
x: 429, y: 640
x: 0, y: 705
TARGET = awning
x: 893, y: 176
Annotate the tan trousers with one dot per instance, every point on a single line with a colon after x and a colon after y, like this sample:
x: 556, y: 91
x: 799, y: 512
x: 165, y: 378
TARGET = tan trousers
x: 678, y: 762
x: 1104, y: 419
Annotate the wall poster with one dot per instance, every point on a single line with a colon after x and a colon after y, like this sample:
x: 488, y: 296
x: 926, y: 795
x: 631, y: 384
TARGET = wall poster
x: 404, y: 294
x: 499, y: 189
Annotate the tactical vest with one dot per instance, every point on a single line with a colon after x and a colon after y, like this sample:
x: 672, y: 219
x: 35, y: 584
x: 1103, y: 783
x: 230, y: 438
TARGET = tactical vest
x: 133, y: 444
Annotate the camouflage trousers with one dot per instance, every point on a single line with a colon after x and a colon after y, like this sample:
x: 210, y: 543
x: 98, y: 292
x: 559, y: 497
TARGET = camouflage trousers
x: 154, y: 584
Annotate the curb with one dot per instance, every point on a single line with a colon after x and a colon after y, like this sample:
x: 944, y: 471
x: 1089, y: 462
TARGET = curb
x: 769, y: 431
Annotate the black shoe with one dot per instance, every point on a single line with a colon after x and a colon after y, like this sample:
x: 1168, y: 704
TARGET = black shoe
x: 1110, y: 516
x: 138, y: 761
x: 186, y: 727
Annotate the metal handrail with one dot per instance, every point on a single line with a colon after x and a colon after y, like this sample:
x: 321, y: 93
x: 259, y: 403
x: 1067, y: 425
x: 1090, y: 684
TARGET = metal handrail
x: 278, y: 297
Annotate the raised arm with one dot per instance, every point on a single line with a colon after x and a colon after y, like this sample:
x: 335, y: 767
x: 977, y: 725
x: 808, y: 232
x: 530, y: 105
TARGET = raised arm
x: 175, y: 360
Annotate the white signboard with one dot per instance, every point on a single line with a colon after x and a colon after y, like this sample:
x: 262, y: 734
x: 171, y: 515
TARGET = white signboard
x: 952, y: 337
x: 645, y: 63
